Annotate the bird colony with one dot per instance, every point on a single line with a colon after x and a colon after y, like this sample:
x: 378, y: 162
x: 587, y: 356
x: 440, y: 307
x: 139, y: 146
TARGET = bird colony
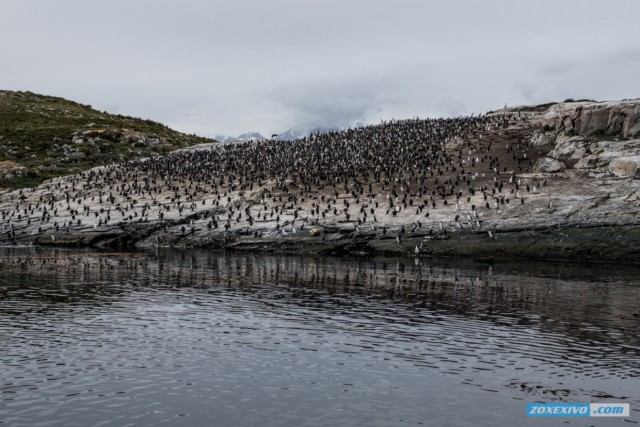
x: 430, y: 177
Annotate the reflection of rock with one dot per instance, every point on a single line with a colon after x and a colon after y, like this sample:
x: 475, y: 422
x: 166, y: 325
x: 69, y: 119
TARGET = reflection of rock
x: 547, y: 164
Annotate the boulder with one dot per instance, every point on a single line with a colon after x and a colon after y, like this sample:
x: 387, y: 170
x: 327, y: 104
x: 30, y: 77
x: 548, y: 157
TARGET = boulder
x: 542, y: 138
x: 625, y: 166
x: 315, y: 232
x: 579, y: 152
x: 587, y: 162
x: 547, y: 164
x: 566, y: 146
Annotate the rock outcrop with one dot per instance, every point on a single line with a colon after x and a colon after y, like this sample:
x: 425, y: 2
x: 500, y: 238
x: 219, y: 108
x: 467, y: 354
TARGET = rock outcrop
x: 601, y: 137
x: 562, y: 183
x: 620, y: 118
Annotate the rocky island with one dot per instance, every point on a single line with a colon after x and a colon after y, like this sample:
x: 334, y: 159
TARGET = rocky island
x: 555, y: 181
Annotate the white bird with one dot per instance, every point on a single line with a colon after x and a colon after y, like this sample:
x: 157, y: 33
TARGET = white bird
x: 417, y: 249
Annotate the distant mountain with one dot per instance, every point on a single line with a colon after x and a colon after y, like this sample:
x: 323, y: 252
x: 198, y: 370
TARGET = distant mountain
x: 251, y: 136
x: 289, y: 135
x: 299, y: 132
x: 248, y: 136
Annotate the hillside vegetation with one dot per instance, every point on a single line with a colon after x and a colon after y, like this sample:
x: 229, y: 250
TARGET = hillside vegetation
x: 45, y: 136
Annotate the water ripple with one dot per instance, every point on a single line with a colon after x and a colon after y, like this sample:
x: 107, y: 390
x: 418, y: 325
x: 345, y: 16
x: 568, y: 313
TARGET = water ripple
x: 199, y: 338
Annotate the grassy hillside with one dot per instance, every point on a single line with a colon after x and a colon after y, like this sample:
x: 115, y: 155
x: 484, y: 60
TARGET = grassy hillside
x: 45, y: 136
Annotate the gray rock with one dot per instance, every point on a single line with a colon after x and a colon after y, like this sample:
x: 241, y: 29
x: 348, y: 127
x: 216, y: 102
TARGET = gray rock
x: 587, y: 162
x: 616, y: 122
x: 547, y: 164
x: 542, y: 138
x: 631, y: 124
x: 566, y: 146
x: 594, y: 121
x: 579, y: 152
x: 625, y: 166
x: 589, y: 118
x: 568, y: 126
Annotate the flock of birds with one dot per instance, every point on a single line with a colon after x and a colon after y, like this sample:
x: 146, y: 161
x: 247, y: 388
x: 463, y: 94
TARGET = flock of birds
x: 432, y: 176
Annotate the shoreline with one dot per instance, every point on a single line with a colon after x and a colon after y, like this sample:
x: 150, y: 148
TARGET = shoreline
x: 526, y: 184
x: 617, y: 244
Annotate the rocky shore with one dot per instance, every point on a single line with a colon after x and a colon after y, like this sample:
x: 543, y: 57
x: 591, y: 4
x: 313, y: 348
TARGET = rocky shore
x: 558, y: 182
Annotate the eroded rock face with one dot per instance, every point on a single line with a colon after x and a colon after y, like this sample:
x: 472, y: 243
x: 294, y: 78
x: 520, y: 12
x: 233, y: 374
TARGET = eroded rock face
x: 595, y: 118
x: 542, y: 138
x: 566, y: 146
x: 575, y: 129
x: 549, y: 165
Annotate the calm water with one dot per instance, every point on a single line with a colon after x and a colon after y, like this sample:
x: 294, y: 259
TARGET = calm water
x: 207, y: 338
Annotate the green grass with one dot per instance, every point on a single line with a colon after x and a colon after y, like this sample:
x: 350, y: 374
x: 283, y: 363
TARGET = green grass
x: 25, y: 182
x: 37, y: 131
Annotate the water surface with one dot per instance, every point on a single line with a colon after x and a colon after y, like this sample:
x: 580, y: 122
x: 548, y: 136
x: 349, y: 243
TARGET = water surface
x: 208, y: 338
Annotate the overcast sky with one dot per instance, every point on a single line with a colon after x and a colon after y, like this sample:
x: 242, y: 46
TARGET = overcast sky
x: 227, y: 67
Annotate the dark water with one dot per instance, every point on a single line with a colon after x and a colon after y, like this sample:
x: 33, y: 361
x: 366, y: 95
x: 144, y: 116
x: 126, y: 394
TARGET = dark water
x: 206, y: 338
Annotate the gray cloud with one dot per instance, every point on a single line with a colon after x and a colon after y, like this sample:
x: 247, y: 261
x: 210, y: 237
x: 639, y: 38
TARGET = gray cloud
x: 216, y: 67
x: 338, y: 100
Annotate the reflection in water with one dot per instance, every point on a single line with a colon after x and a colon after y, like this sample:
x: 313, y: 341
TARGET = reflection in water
x: 195, y: 338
